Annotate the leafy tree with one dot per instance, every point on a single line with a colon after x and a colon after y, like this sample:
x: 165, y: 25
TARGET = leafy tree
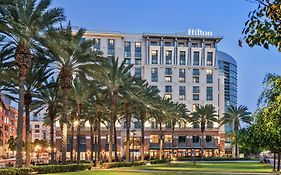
x: 263, y: 27
x: 23, y: 24
x: 235, y: 116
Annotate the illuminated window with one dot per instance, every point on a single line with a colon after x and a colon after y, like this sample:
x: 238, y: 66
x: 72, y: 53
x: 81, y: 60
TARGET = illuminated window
x: 182, y: 75
x: 209, y: 58
x: 168, y: 138
x: 196, y: 58
x: 154, y: 139
x: 195, y: 79
x: 168, y: 96
x: 181, y: 92
x: 168, y: 57
x: 182, y: 58
x: 209, y: 76
x: 154, y: 57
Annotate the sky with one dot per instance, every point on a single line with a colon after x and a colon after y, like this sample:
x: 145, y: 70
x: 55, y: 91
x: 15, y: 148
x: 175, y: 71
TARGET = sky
x: 224, y: 18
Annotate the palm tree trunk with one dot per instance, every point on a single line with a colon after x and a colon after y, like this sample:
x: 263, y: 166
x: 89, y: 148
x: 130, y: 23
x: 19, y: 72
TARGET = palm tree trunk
x: 236, y: 143
x: 78, y: 132
x: 142, y: 138
x: 278, y: 162
x: 202, y: 140
x: 274, y: 162
x: 92, y: 142
x: 19, y: 140
x: 173, y: 135
x: 52, y: 140
x: 115, y: 141
x: 72, y: 143
x: 95, y: 139
x: 111, y: 125
x: 128, y: 126
x: 64, y: 125
x: 27, y: 131
x: 161, y: 142
x: 99, y: 136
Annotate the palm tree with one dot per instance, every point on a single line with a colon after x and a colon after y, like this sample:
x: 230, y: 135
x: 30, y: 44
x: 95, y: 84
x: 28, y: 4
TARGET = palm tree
x: 73, y: 58
x: 235, y: 116
x: 115, y: 78
x: 204, y: 115
x: 47, y: 98
x: 24, y: 25
x: 178, y: 114
x: 81, y: 92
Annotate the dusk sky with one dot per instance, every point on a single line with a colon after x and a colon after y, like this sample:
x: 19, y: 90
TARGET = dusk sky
x: 224, y: 18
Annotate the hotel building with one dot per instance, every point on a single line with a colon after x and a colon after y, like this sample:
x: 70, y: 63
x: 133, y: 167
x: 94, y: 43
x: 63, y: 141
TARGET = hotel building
x: 186, y: 69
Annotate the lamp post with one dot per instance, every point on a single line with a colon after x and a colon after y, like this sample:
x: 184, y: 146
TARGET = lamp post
x: 77, y: 124
x: 134, y: 133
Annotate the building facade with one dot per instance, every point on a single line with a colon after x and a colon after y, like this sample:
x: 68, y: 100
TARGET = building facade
x: 39, y: 131
x: 185, y: 69
x: 228, y: 66
x: 8, y: 126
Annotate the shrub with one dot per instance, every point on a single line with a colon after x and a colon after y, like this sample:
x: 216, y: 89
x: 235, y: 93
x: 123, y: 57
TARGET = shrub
x: 157, y: 161
x: 15, y: 171
x: 46, y: 169
x: 121, y: 164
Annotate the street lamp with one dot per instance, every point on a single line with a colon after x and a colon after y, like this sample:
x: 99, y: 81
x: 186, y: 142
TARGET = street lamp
x: 134, y: 133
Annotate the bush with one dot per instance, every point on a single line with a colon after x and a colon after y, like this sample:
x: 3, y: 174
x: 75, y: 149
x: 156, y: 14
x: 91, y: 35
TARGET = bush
x: 15, y: 171
x: 211, y: 159
x: 46, y: 169
x: 121, y: 164
x: 157, y: 161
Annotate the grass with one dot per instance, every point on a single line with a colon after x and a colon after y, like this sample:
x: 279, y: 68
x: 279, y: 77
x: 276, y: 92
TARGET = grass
x: 184, y: 168
x: 239, y: 167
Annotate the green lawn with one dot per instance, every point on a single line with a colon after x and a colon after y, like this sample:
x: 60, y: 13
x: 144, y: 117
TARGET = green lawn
x: 184, y: 168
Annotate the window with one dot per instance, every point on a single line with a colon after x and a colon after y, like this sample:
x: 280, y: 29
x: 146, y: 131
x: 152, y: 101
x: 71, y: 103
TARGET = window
x: 168, y: 96
x: 209, y: 139
x: 154, y: 139
x: 153, y: 124
x: 182, y: 139
x: 37, y: 126
x: 96, y: 44
x: 168, y: 89
x: 196, y: 89
x: 153, y: 43
x: 210, y: 124
x: 196, y: 58
x: 209, y: 58
x: 195, y: 45
x: 168, y: 138
x: 127, y: 60
x: 168, y: 74
x: 168, y: 71
x: 209, y: 93
x: 37, y: 131
x: 181, y: 44
x: 137, y: 124
x: 196, y: 97
x: 111, y: 47
x: 137, y: 49
x: 195, y: 139
x: 82, y: 140
x: 6, y: 128
x: 196, y: 72
x: 168, y: 43
x: 181, y: 75
x: 195, y: 79
x: 154, y: 74
x: 138, y: 72
x: 182, y: 58
x: 154, y: 57
x: 209, y: 76
x: 168, y: 57
x: 181, y: 92
x: 137, y: 61
x: 127, y: 49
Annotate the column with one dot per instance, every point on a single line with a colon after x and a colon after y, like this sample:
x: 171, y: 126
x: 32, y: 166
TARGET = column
x: 175, y: 52
x: 203, y: 53
x: 161, y: 51
x: 147, y: 51
x: 189, y: 52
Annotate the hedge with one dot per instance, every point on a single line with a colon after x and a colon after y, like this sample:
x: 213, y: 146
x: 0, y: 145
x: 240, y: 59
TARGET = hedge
x: 157, y: 161
x: 47, y: 169
x: 211, y: 159
x: 16, y: 171
x: 121, y: 164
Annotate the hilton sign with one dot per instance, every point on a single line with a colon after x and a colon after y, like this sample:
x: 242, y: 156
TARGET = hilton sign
x: 199, y: 32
